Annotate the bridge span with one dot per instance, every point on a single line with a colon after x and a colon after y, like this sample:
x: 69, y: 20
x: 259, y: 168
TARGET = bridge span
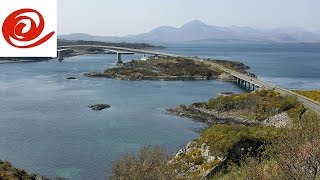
x: 251, y: 83
x: 118, y: 50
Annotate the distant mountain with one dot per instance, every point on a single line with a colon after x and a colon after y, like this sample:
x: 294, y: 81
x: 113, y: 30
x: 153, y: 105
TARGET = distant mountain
x: 88, y: 37
x: 198, y: 31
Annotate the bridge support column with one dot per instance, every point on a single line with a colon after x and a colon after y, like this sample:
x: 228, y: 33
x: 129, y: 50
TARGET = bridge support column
x: 119, y: 61
x: 60, y: 57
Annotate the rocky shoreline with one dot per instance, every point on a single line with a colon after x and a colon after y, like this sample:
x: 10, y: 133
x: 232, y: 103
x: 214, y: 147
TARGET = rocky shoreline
x: 211, y: 117
x: 170, y: 69
x: 202, y: 157
x: 7, y: 171
x: 150, y: 78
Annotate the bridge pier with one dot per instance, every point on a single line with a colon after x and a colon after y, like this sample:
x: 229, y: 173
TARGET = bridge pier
x: 119, y: 61
x: 60, y: 57
x: 246, y: 85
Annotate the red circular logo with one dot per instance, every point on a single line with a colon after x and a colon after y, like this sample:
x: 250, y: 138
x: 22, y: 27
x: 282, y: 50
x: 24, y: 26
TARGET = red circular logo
x: 13, y: 29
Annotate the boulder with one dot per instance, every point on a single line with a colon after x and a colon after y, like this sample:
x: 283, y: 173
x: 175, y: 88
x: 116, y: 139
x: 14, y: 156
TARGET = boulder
x: 181, y: 152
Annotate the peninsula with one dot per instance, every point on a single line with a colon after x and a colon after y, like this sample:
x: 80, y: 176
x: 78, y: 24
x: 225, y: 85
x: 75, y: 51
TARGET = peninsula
x: 249, y: 136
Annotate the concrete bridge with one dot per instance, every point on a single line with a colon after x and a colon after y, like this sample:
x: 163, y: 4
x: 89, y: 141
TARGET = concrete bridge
x: 243, y: 80
x: 252, y: 83
x: 119, y: 53
x: 118, y: 50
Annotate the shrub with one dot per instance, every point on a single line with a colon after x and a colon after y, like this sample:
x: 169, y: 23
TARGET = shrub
x: 293, y: 155
x: 148, y: 163
x: 221, y: 138
x: 259, y: 104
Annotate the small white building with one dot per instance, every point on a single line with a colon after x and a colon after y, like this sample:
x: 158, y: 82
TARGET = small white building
x: 144, y: 58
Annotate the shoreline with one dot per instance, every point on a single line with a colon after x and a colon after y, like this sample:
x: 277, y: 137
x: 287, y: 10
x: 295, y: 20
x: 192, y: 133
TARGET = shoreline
x: 213, y: 117
x: 151, y: 78
x: 21, y: 61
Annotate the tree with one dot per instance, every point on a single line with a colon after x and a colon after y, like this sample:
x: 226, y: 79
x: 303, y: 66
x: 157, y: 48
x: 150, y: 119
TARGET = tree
x: 150, y: 163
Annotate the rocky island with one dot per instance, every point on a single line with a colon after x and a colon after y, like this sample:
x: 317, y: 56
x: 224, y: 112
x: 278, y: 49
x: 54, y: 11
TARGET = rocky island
x: 169, y: 69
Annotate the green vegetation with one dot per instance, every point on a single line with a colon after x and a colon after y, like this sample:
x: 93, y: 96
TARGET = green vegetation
x: 293, y: 155
x: 253, y: 152
x: 238, y: 66
x: 222, y: 138
x: 177, y: 67
x: 315, y: 95
x: 222, y: 141
x: 258, y: 105
x: 163, y: 68
x: 130, y: 72
x: 148, y: 163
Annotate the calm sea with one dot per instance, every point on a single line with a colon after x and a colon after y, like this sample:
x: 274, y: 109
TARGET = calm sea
x: 46, y: 127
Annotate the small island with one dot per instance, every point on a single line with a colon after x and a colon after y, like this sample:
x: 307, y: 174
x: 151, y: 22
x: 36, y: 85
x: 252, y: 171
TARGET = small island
x: 99, y: 107
x: 71, y: 78
x: 170, y: 69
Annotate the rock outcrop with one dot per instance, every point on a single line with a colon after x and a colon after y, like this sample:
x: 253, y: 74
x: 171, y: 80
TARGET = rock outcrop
x: 281, y: 120
x: 7, y: 171
x: 71, y: 78
x: 99, y: 107
x: 210, y: 116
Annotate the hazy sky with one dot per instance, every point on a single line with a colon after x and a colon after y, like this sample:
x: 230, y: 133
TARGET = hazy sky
x: 123, y: 17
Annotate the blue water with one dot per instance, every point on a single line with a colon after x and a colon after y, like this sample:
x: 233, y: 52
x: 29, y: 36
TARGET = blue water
x: 293, y: 66
x: 45, y: 126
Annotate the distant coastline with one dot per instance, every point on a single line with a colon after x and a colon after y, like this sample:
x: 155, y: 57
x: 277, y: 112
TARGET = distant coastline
x: 78, y: 51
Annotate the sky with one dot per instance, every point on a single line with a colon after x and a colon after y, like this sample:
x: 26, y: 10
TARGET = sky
x: 126, y: 17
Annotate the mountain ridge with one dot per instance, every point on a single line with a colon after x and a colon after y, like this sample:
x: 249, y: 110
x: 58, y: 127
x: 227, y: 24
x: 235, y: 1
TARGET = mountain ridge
x: 197, y: 30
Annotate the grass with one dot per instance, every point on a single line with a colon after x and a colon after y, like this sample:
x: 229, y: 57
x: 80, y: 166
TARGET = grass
x: 258, y: 105
x: 294, y: 154
x: 165, y: 66
x: 315, y: 95
x: 221, y: 138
